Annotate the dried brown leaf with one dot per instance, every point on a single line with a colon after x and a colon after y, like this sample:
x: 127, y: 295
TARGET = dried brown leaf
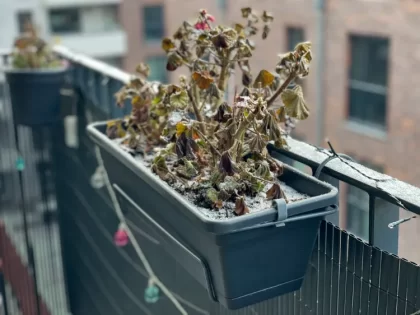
x: 227, y: 165
x: 167, y: 44
x: 275, y: 192
x: 294, y: 103
x: 246, y: 12
x: 267, y: 17
x: 240, y: 206
x: 202, y: 79
x: 265, y: 78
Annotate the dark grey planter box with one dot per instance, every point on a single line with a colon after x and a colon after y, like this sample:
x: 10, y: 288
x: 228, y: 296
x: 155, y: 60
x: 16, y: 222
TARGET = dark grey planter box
x: 241, y: 261
x: 35, y: 95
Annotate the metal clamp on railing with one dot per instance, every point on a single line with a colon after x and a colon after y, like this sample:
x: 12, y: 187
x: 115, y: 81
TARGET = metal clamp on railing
x: 328, y: 159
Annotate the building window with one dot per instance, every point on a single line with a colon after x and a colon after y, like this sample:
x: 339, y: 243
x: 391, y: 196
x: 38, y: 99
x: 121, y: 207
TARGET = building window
x: 65, y: 21
x: 153, y: 24
x: 24, y: 18
x: 368, y: 80
x: 99, y: 19
x: 357, y: 205
x: 222, y: 5
x: 295, y: 35
x: 158, y: 70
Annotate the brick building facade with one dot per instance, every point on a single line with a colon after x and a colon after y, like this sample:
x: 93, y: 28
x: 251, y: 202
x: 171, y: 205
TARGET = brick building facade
x: 372, y: 50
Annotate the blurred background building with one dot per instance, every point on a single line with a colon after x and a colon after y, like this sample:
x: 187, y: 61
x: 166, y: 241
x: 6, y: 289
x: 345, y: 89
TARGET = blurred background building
x: 88, y: 26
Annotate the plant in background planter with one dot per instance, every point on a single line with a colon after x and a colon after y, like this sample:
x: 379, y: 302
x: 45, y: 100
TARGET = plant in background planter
x: 35, y: 78
x: 249, y: 220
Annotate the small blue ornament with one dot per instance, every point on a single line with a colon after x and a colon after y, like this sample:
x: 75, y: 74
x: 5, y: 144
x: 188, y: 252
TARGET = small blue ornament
x: 20, y: 163
x: 151, y: 294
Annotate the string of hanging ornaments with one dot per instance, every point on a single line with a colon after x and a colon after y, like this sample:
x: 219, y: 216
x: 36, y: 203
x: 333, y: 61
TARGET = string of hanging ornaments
x: 123, y: 236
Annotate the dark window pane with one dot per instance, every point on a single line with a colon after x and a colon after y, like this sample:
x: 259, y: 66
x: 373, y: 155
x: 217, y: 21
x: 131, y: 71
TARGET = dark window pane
x: 358, y: 212
x: 369, y: 59
x: 65, y: 21
x: 153, y: 22
x: 358, y: 206
x: 158, y: 71
x: 23, y: 18
x: 367, y: 107
x: 295, y: 35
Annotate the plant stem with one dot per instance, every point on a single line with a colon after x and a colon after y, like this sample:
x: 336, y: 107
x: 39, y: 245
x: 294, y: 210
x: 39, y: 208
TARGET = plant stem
x: 196, y: 111
x: 223, y: 72
x: 281, y: 89
x: 209, y: 143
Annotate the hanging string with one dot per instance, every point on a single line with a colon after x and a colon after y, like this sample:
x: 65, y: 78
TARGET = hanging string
x: 154, y: 282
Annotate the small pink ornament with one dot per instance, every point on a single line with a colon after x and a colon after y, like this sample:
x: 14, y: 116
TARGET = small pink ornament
x: 210, y: 18
x: 201, y: 26
x: 121, y: 237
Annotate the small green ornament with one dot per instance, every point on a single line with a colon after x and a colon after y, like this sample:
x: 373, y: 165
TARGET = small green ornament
x: 20, y: 163
x: 151, y: 294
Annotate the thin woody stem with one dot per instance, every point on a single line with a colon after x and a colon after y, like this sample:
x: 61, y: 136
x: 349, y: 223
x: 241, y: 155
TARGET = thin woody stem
x: 285, y: 84
x: 209, y: 143
x: 196, y: 110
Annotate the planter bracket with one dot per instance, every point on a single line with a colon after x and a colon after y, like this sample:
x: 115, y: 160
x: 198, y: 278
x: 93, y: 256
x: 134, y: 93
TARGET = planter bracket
x: 281, y: 207
x: 184, y: 255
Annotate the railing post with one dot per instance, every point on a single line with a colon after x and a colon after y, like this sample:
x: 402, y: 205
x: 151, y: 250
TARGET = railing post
x: 371, y: 219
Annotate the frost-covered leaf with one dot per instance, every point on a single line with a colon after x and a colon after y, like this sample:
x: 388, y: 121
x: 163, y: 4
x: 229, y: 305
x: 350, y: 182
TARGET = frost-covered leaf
x: 174, y: 118
x: 179, y: 100
x: 263, y: 170
x: 294, y: 103
x: 212, y: 194
x: 143, y: 69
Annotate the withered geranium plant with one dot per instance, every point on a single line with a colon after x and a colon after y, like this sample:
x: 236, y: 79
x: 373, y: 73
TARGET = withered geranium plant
x: 210, y: 148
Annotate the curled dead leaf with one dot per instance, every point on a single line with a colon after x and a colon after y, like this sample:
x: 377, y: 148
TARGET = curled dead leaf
x: 275, y: 192
x: 267, y: 17
x: 174, y: 61
x: 240, y: 206
x: 246, y: 12
x: 223, y: 113
x: 294, y: 103
x: 179, y: 100
x: 202, y: 79
x: 265, y: 32
x: 143, y: 69
x: 167, y: 44
x: 227, y: 165
x: 246, y: 78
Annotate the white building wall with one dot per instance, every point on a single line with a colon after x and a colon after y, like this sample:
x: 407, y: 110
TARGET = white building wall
x: 100, y: 36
